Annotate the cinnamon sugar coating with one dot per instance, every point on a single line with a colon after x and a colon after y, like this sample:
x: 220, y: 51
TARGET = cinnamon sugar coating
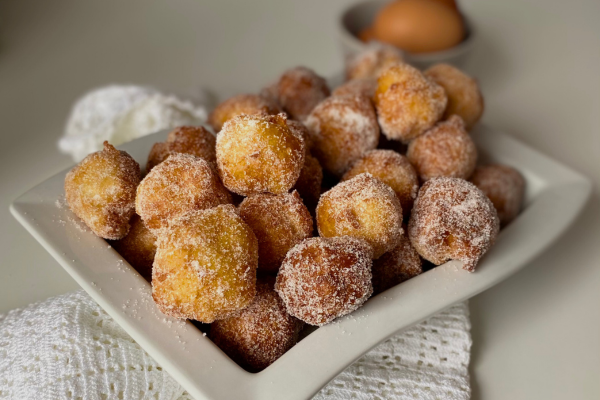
x: 241, y: 104
x: 464, y: 97
x: 504, y: 186
x: 279, y: 223
x: 322, y: 279
x: 394, y: 170
x: 205, y: 265
x: 343, y: 129
x: 180, y: 184
x: 407, y: 102
x: 299, y: 90
x: 299, y: 129
x: 357, y: 87
x: 101, y: 191
x: 396, y: 266
x: 374, y: 59
x: 365, y: 208
x: 444, y: 150
x: 194, y: 140
x: 258, y: 335
x: 138, y: 247
x: 309, y: 182
x: 259, y: 153
x: 271, y: 92
x: 452, y: 220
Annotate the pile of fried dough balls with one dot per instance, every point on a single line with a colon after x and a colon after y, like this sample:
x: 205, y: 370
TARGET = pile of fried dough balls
x: 224, y: 225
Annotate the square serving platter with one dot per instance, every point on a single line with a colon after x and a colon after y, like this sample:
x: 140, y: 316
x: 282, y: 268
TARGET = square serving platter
x: 554, y: 197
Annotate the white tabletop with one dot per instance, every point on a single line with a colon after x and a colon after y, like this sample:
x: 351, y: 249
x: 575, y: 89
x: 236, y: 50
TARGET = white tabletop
x: 537, y: 335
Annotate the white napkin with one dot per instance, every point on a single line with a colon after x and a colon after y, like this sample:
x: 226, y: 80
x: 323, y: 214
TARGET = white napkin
x: 120, y: 113
x: 67, y: 347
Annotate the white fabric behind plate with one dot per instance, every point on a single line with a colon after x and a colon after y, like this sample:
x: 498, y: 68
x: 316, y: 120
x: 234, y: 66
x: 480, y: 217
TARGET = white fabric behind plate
x: 120, y: 113
x: 67, y: 347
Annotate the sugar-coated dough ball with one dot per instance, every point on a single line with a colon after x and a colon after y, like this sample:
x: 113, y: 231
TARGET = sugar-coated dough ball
x: 369, y: 63
x: 309, y: 182
x: 464, y: 96
x: 322, y: 279
x: 259, y: 153
x: 394, y: 170
x: 362, y: 207
x: 241, y: 104
x: 271, y: 92
x: 357, y: 87
x: 299, y: 90
x: 299, y: 129
x: 504, y: 186
x: 138, y: 247
x: 205, y: 265
x: 452, y: 220
x: 180, y: 184
x: 279, y: 222
x: 194, y: 140
x: 396, y: 266
x: 101, y: 191
x: 407, y: 102
x: 444, y: 150
x: 259, y: 334
x: 343, y: 129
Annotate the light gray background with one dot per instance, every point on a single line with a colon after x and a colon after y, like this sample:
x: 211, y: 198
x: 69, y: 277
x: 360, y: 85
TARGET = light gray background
x: 536, y: 336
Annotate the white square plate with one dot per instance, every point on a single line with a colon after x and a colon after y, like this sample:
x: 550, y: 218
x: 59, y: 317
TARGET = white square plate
x: 555, y: 195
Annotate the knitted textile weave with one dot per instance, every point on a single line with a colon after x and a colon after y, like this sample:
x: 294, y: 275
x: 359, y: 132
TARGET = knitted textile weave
x: 67, y: 347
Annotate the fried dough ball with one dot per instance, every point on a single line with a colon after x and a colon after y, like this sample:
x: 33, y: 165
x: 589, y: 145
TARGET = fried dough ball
x: 259, y: 153
x: 259, y: 334
x: 138, y: 247
x: 309, y: 182
x: 194, y: 140
x: 407, y: 102
x: 205, y: 265
x: 396, y: 266
x: 394, y: 170
x: 299, y: 129
x: 180, y: 184
x: 322, y: 279
x: 504, y: 186
x: 464, y: 96
x: 452, y: 220
x: 101, y: 191
x: 299, y: 90
x: 372, y: 61
x: 241, y: 104
x: 279, y: 222
x: 357, y: 87
x: 445, y: 150
x: 362, y: 207
x: 271, y: 92
x: 343, y: 129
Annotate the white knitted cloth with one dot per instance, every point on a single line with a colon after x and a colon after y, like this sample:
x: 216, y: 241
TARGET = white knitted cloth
x: 120, y: 113
x: 67, y: 347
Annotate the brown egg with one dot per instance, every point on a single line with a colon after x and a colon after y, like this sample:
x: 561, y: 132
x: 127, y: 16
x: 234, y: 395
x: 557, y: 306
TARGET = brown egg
x: 419, y: 26
x: 450, y: 3
x: 366, y: 35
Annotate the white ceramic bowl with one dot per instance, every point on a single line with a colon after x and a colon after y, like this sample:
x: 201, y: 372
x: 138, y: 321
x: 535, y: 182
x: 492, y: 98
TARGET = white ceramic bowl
x: 554, y: 197
x: 361, y: 15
